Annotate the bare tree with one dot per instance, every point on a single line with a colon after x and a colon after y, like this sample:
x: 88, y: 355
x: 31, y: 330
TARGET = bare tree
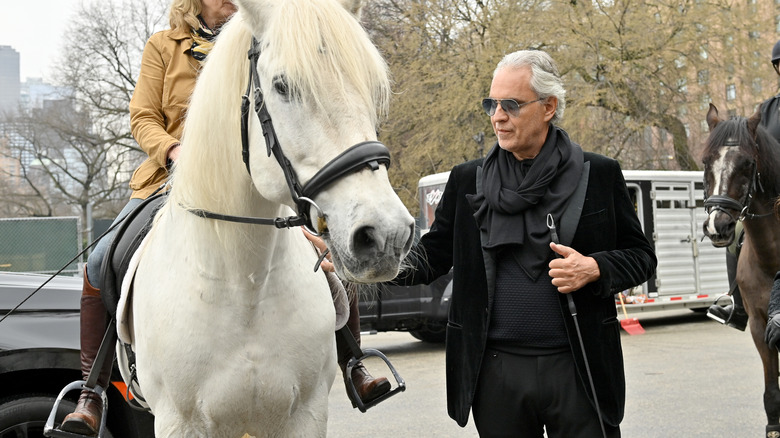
x: 637, y: 73
x: 640, y: 59
x: 61, y: 164
x: 441, y: 54
x: 76, y: 154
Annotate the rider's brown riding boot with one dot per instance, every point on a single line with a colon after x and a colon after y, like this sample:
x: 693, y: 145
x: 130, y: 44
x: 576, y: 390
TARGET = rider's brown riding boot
x: 368, y: 387
x: 85, y: 420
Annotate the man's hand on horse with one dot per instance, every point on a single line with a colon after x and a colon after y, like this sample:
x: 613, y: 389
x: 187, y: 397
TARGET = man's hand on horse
x: 319, y: 244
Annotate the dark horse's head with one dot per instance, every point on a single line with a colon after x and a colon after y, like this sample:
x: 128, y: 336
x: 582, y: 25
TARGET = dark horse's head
x: 736, y: 155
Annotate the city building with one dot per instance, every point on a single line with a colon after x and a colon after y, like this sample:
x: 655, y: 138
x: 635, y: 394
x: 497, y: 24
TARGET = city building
x: 10, y: 84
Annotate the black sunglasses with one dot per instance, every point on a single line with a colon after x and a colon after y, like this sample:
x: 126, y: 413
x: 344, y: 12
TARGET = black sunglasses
x: 510, y: 106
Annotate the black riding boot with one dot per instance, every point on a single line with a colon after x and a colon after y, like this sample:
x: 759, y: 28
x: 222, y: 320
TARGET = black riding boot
x: 85, y: 420
x: 368, y: 387
x: 733, y: 315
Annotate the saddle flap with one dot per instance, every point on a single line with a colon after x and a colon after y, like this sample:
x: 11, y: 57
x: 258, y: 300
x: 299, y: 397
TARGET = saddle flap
x: 127, y: 238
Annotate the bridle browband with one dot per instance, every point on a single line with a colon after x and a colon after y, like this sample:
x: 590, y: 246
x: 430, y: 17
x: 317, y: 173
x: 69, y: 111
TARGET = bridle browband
x: 725, y: 203
x: 368, y: 154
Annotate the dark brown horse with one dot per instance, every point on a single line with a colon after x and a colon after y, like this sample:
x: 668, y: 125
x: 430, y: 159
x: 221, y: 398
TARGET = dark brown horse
x: 741, y: 183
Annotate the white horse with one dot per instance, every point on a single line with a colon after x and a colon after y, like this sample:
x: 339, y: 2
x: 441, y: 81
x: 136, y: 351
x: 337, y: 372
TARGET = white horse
x: 233, y: 329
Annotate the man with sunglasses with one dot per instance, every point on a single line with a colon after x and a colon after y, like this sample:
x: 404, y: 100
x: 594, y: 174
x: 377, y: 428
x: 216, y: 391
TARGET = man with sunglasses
x: 734, y: 315
x: 514, y: 354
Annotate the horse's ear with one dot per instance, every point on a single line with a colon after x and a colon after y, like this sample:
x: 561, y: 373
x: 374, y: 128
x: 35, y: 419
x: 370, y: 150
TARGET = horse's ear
x: 753, y: 122
x: 712, y: 117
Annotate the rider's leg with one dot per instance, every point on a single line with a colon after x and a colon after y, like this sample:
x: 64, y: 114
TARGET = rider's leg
x: 85, y: 420
x: 368, y: 387
x: 94, y: 322
x: 731, y: 315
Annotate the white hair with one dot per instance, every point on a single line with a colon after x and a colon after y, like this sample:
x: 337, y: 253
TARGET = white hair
x: 545, y: 79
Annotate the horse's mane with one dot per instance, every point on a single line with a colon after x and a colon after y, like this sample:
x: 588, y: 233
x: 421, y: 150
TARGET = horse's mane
x: 768, y: 160
x: 765, y: 149
x: 303, y: 39
x: 211, y: 141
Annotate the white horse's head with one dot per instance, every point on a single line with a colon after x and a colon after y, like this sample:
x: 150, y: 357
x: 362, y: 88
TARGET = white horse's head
x: 324, y: 86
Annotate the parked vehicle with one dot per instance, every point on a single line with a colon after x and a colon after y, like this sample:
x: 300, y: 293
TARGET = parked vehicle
x: 39, y: 355
x: 670, y: 205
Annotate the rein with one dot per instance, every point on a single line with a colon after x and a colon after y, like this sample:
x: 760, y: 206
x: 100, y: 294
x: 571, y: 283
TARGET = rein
x: 725, y: 203
x: 367, y: 154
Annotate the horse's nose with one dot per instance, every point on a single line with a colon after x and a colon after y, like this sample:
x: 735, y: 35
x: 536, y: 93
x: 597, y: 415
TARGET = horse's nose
x: 367, y: 242
x: 720, y: 229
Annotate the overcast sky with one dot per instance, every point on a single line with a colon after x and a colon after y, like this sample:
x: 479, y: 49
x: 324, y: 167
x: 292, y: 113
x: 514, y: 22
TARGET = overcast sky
x: 35, y: 29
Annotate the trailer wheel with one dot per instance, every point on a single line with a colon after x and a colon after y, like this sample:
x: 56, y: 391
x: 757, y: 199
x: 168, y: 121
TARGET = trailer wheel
x: 24, y: 416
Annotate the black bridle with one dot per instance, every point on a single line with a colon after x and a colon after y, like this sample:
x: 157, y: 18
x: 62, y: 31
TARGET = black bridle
x: 726, y: 204
x: 367, y: 154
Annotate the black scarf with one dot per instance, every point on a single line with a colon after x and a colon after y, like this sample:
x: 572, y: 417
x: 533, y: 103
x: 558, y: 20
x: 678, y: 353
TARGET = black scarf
x: 516, y: 198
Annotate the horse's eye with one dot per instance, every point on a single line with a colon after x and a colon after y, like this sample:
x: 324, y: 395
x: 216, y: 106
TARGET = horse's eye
x: 281, y: 88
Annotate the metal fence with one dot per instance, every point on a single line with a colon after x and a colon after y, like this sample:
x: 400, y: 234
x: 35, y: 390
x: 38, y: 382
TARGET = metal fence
x: 40, y: 245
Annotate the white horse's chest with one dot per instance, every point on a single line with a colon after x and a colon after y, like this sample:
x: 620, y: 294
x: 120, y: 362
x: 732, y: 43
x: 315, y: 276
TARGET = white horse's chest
x: 259, y: 341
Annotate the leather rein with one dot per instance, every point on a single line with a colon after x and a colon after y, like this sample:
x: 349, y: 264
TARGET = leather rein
x: 367, y: 154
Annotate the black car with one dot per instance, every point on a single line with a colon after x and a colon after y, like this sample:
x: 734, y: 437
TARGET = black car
x: 39, y: 355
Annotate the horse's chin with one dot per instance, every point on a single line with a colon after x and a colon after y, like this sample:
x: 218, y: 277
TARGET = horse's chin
x: 720, y: 242
x: 365, y: 272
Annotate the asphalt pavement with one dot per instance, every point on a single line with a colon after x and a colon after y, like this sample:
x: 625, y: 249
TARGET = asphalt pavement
x: 687, y: 376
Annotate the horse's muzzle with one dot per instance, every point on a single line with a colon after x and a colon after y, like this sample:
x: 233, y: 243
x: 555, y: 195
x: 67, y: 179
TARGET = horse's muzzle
x: 719, y: 231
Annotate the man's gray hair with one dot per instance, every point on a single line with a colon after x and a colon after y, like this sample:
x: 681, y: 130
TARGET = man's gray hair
x: 545, y: 79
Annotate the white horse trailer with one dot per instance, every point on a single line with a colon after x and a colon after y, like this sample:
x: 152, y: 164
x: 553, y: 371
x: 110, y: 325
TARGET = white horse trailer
x: 691, y: 272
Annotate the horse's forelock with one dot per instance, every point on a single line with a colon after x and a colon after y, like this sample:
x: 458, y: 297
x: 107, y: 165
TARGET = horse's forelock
x: 307, y: 38
x: 733, y: 129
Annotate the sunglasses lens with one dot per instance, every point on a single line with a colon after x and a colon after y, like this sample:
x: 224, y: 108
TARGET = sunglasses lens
x: 510, y: 106
x: 489, y: 105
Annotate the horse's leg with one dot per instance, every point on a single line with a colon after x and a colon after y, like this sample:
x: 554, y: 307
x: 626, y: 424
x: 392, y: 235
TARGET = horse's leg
x: 769, y: 360
x: 755, y: 284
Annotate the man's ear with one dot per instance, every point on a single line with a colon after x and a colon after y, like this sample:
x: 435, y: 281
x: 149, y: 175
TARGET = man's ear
x: 550, y: 106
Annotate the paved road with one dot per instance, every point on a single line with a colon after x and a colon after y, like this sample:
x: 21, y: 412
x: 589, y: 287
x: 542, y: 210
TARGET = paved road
x: 687, y: 376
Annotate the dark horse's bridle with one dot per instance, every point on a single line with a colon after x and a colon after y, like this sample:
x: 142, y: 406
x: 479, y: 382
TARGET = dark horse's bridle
x: 726, y: 204
x: 367, y: 154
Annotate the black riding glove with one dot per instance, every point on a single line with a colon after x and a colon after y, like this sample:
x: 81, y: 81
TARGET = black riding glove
x: 772, y: 333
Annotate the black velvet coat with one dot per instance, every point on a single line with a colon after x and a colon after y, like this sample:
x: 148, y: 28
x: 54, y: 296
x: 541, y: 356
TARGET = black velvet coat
x: 608, y: 230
